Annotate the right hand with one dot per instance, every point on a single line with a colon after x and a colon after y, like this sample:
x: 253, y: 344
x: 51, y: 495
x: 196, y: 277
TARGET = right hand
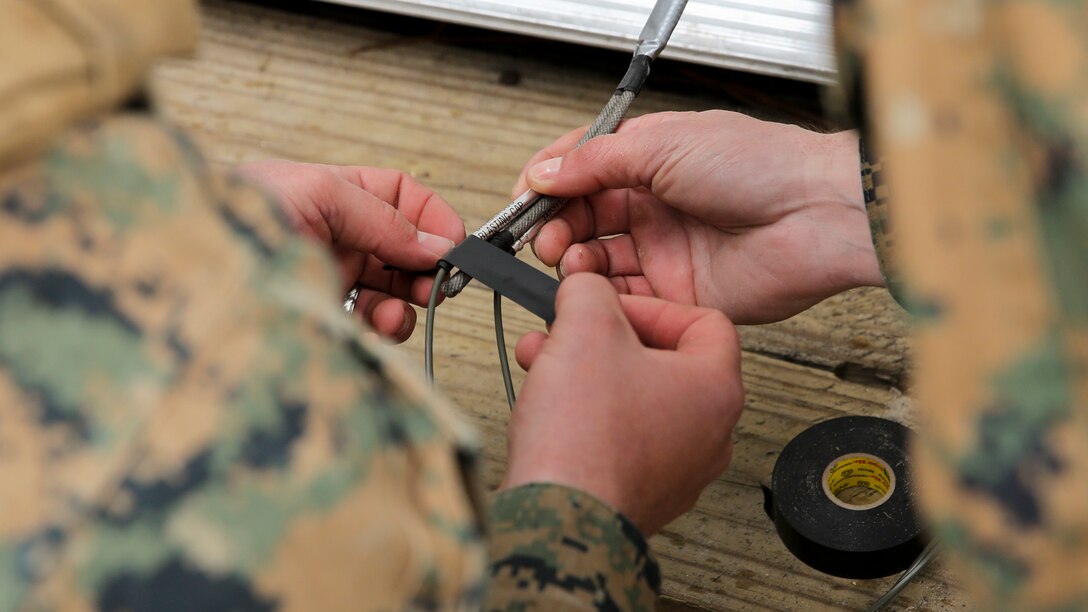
x: 630, y: 399
x: 760, y: 220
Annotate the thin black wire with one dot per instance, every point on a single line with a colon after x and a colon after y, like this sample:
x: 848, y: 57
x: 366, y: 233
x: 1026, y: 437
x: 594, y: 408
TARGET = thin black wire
x: 909, y: 575
x: 428, y: 337
x: 504, y: 361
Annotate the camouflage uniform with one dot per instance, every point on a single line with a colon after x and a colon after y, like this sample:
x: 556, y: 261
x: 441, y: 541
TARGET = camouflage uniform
x: 187, y: 420
x: 980, y: 113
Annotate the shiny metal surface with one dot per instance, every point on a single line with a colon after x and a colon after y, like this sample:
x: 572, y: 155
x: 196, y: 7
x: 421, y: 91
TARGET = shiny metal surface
x: 789, y: 38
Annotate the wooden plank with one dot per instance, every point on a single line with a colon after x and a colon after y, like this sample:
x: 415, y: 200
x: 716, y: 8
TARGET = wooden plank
x: 363, y: 88
x: 860, y: 335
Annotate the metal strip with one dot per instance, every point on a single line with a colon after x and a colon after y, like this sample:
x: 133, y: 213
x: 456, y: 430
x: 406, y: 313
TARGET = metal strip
x: 788, y: 38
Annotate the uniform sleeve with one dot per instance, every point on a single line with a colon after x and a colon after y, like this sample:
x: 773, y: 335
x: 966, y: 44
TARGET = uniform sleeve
x: 188, y: 420
x: 556, y: 548
x: 977, y: 110
x: 846, y: 103
x: 881, y: 228
x: 187, y: 416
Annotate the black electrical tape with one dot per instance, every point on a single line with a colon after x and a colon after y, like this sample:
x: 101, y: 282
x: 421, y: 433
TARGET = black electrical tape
x: 636, y: 76
x: 832, y: 536
x: 513, y: 278
x: 504, y: 241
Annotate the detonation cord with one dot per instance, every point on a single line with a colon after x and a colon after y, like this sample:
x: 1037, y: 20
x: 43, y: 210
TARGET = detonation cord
x: 516, y: 225
x: 428, y: 333
x: 500, y: 340
x: 504, y: 361
x: 907, y: 576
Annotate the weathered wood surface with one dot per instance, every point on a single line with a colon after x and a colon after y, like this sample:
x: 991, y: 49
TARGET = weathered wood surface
x: 461, y: 110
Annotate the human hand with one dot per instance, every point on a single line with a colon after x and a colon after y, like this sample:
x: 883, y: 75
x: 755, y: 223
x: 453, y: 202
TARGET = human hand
x: 631, y: 399
x: 370, y: 217
x: 760, y: 220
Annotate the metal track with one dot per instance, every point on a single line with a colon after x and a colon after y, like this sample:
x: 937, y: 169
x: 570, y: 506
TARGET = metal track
x: 788, y: 38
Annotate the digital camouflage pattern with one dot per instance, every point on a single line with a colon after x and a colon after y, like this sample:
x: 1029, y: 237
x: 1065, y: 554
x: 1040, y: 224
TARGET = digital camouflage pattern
x: 569, y: 548
x: 980, y: 113
x: 188, y: 421
x: 875, y: 191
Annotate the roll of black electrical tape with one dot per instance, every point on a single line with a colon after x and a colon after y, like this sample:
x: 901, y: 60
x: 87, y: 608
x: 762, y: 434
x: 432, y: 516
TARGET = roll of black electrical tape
x: 841, y: 498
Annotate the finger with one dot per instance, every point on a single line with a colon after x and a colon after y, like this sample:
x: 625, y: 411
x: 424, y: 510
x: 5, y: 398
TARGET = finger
x: 561, y: 146
x: 409, y: 286
x: 614, y: 161
x: 388, y: 316
x: 564, y: 144
x: 588, y: 310
x: 610, y: 257
x: 351, y: 262
x: 689, y: 329
x: 333, y: 204
x: 357, y: 219
x: 389, y: 214
x: 420, y: 292
x: 528, y: 348
x: 421, y: 206
x: 394, y: 319
x: 400, y: 285
x: 552, y: 241
x: 603, y: 214
x: 376, y: 276
x: 629, y: 285
x: 386, y: 184
x: 633, y: 285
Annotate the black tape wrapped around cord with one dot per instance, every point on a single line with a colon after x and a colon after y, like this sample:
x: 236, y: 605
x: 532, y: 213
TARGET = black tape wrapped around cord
x: 518, y: 281
x: 636, y: 76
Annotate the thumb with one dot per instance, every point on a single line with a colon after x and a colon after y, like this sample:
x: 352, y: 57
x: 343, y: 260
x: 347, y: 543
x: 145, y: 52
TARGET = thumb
x: 528, y: 349
x: 614, y: 161
x: 359, y: 220
x: 680, y: 327
x: 588, y: 310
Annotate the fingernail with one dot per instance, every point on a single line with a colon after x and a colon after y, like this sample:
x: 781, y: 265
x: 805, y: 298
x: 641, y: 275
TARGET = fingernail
x: 434, y: 243
x: 407, y: 326
x: 562, y: 270
x: 545, y: 171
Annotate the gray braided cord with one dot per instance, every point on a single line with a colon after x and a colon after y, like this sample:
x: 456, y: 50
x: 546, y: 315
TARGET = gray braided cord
x: 547, y: 206
x: 606, y: 123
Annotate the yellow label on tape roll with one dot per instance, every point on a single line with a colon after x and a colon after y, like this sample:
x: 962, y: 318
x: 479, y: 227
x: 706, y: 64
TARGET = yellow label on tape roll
x: 858, y: 471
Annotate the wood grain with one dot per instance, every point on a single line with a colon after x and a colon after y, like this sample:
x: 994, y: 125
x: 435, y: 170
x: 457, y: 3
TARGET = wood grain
x: 462, y: 110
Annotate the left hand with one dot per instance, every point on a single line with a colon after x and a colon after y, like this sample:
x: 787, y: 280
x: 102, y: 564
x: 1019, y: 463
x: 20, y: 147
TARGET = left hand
x: 370, y: 217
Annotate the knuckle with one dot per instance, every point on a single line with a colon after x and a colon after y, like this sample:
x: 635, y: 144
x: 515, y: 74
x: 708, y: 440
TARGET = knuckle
x: 595, y: 154
x: 724, y: 330
x: 316, y: 176
x: 388, y: 216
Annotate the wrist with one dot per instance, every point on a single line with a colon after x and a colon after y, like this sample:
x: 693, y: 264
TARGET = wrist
x: 835, y: 180
x: 834, y: 175
x: 576, y: 480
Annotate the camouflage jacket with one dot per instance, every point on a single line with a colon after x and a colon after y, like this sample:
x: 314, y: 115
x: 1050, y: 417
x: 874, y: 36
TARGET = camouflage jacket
x: 979, y: 206
x: 188, y: 421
